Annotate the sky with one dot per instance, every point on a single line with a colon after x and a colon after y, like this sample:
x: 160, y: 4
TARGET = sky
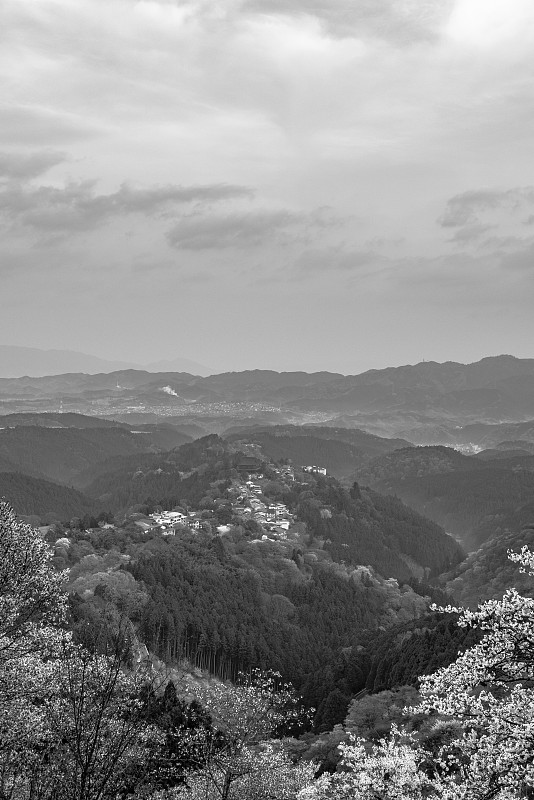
x: 278, y: 184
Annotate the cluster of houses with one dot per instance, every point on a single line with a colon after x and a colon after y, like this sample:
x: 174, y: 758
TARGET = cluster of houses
x: 247, y: 501
x: 285, y: 473
x: 167, y: 521
x: 275, y: 517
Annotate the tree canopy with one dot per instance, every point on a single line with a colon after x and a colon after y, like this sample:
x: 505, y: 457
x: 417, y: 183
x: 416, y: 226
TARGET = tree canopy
x: 483, y: 735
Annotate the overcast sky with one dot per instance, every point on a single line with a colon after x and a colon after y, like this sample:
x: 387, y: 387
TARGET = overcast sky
x: 285, y: 184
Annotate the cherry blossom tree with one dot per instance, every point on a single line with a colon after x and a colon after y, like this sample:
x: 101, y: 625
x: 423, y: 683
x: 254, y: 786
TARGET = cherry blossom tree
x: 486, y: 697
x: 265, y: 773
x: 236, y: 757
x: 32, y: 606
x: 96, y: 726
x: 32, y: 603
x: 71, y: 722
x: 391, y: 770
x: 490, y: 690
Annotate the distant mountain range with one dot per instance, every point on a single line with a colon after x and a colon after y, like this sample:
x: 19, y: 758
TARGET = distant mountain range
x: 18, y: 361
x: 424, y: 403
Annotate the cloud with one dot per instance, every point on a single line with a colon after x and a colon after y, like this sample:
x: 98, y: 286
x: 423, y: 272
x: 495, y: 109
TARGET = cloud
x: 464, y: 209
x: 129, y: 199
x: 504, y: 244
x: 231, y: 230
x: 398, y: 21
x: 472, y: 215
x: 382, y: 108
x: 338, y: 259
x: 470, y: 233
x: 24, y: 166
x: 242, y: 230
x: 77, y: 206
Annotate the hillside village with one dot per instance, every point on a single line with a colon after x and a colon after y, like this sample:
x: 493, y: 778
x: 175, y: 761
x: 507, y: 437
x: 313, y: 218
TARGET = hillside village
x: 246, y: 500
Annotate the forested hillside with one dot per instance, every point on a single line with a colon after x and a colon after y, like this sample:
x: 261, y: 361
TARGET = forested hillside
x: 391, y: 470
x: 522, y: 453
x: 487, y: 572
x: 357, y: 646
x: 340, y: 450
x: 473, y: 499
x: 60, y: 454
x: 356, y: 527
x: 398, y: 657
x: 364, y: 527
x: 232, y: 602
x: 58, y: 419
x: 239, y: 596
x: 46, y: 500
x: 163, y: 479
x: 337, y: 602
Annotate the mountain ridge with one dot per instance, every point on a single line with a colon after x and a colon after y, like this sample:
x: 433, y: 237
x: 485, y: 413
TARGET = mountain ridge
x: 391, y: 402
x: 17, y: 361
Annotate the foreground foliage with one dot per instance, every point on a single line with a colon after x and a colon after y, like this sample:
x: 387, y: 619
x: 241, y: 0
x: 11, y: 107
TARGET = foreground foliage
x: 76, y: 724
x: 483, y: 743
x: 81, y: 724
x: 71, y: 722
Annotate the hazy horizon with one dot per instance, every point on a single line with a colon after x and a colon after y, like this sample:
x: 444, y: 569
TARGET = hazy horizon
x: 187, y: 366
x: 249, y: 183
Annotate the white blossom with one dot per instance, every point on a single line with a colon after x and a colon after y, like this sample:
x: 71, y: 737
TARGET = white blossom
x: 488, y: 692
